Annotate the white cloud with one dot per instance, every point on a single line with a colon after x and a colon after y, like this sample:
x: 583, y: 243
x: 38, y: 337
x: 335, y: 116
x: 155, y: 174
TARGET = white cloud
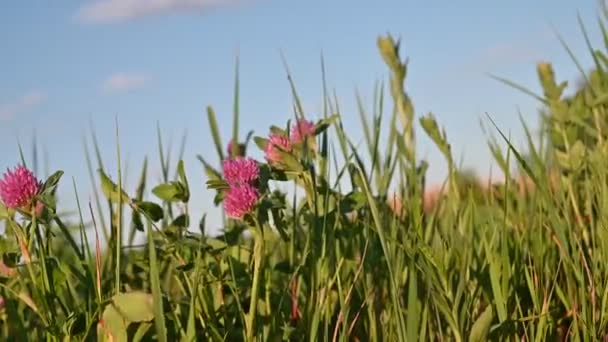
x: 511, y: 53
x: 524, y: 50
x: 22, y: 105
x: 104, y: 11
x: 124, y: 82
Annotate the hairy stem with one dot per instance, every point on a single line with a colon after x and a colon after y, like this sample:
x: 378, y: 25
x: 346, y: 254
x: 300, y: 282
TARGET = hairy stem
x: 258, y: 264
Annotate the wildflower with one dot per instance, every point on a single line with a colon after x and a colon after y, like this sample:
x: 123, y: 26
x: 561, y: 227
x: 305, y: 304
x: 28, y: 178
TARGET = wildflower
x: 18, y: 188
x: 302, y: 130
x: 240, y: 171
x: 276, y: 142
x: 240, y: 200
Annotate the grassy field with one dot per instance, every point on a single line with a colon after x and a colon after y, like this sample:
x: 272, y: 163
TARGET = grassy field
x: 367, y: 251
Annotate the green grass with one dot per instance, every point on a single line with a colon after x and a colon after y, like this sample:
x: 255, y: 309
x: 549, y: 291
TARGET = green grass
x: 526, y: 259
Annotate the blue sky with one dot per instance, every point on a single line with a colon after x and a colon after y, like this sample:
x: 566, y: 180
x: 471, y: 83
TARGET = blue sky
x: 163, y: 61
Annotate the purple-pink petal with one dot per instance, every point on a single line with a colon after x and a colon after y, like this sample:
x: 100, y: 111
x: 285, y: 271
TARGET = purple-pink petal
x: 301, y: 130
x: 18, y: 187
x: 240, y: 200
x: 239, y: 171
x: 276, y: 143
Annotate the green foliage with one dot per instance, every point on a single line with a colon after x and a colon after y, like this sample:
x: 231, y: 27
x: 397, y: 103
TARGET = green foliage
x: 124, y: 310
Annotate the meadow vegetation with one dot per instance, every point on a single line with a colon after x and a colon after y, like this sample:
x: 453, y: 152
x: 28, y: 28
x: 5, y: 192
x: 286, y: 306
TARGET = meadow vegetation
x: 365, y: 250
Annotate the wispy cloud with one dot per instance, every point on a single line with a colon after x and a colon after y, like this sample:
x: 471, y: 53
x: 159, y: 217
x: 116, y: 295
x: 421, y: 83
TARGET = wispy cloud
x: 124, y: 82
x: 504, y: 54
x: 26, y: 103
x: 106, y: 11
x: 522, y: 50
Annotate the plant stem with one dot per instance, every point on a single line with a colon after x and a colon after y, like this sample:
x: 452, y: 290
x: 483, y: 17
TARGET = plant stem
x: 258, y: 264
x: 119, y: 213
x: 21, y: 238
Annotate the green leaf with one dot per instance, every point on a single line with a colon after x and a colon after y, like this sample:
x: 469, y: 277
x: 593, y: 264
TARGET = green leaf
x: 235, y: 117
x: 389, y: 50
x: 218, y: 198
x: 215, y: 244
x: 158, y: 310
x: 135, y: 306
x: 217, y: 184
x: 289, y: 162
x: 278, y: 130
x: 211, y: 173
x: 215, y: 132
x: 357, y: 179
x: 519, y: 158
x: 184, y: 181
x: 495, y: 278
x: 182, y: 221
x: 429, y: 124
x: 481, y: 327
x: 190, y: 329
x: 51, y: 183
x: 353, y: 201
x: 110, y: 189
x: 323, y: 124
x: 414, y: 306
x: 574, y: 159
x: 260, y: 142
x: 248, y: 137
x: 600, y: 99
x: 136, y: 219
x: 171, y: 192
x: 139, y: 194
x: 153, y: 210
x: 112, y: 326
